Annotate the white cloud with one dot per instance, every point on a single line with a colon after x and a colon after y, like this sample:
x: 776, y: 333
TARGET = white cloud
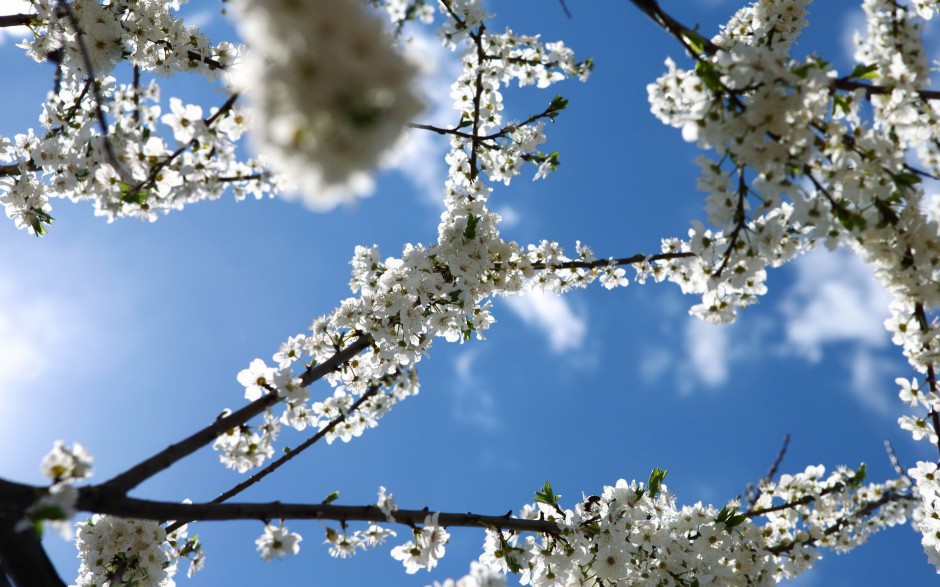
x: 199, y: 19
x: 509, y: 215
x: 420, y: 156
x: 854, y: 23
x: 835, y: 299
x: 706, y: 347
x: 29, y: 329
x: 654, y: 362
x: 473, y: 404
x: 872, y: 382
x: 553, y: 316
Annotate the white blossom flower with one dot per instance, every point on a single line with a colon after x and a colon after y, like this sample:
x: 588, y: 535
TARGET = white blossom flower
x: 277, y: 541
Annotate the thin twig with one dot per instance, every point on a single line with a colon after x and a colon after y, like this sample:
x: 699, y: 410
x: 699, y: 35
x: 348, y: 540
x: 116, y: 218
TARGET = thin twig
x: 895, y: 463
x: 772, y: 472
x: 275, y: 465
x: 96, y: 90
x: 137, y: 474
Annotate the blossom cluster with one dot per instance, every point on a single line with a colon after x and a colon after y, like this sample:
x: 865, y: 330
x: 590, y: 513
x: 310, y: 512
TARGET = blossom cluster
x: 102, y: 141
x: 63, y: 465
x: 122, y: 551
x: 799, y: 165
x: 431, y: 291
x: 635, y: 533
x: 330, y: 95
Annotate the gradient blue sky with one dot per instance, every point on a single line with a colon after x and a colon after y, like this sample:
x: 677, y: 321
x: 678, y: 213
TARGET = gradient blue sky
x: 127, y: 336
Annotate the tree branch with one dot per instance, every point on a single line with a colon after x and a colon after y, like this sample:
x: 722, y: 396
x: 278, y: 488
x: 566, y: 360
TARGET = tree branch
x: 137, y: 474
x: 11, y: 20
x: 22, y: 557
x: 638, y: 258
x: 105, y: 502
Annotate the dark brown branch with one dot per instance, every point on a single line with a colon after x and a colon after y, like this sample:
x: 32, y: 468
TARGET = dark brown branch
x: 96, y: 91
x: 275, y: 465
x: 441, y: 131
x: 638, y: 258
x: 851, y: 85
x: 164, y: 459
x: 885, y: 499
x: 17, y: 20
x: 156, y: 169
x: 103, y: 502
x: 740, y: 223
x: 137, y: 474
x: 771, y: 473
x: 921, y: 315
x: 22, y: 557
x: 315, y: 372
x: 679, y: 31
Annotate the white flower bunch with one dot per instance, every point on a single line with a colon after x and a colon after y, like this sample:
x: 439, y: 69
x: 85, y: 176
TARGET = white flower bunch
x: 329, y: 94
x: 121, y: 551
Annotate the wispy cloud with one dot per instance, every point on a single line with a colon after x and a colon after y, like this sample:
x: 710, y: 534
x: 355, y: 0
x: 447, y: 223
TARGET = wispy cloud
x: 854, y: 23
x: 707, y: 348
x: 509, y: 215
x: 872, y: 381
x: 835, y: 299
x: 200, y: 18
x: 553, y: 316
x: 420, y: 156
x: 473, y: 404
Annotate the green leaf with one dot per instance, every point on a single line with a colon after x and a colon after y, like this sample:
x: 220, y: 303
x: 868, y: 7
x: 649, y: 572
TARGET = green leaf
x: 709, y: 76
x: 547, y: 496
x: 905, y: 180
x: 39, y: 224
x: 468, y: 330
x: 730, y: 517
x: 470, y: 232
x: 859, y: 477
x: 842, y: 103
x: 865, y: 72
x: 656, y: 480
x: 331, y: 498
x: 852, y: 221
x: 132, y: 195
x: 558, y: 104
x: 696, y: 41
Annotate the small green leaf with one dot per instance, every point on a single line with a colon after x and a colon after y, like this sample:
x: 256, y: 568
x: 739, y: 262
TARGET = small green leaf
x: 842, y: 103
x: 860, y: 474
x: 696, y: 41
x: 558, y: 104
x: 547, y: 496
x: 331, y: 498
x: 709, y: 76
x: 132, y: 195
x: 865, y: 72
x: 905, y: 180
x: 470, y: 232
x: 656, y: 480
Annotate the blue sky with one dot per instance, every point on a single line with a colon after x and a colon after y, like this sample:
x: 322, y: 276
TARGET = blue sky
x: 127, y: 336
